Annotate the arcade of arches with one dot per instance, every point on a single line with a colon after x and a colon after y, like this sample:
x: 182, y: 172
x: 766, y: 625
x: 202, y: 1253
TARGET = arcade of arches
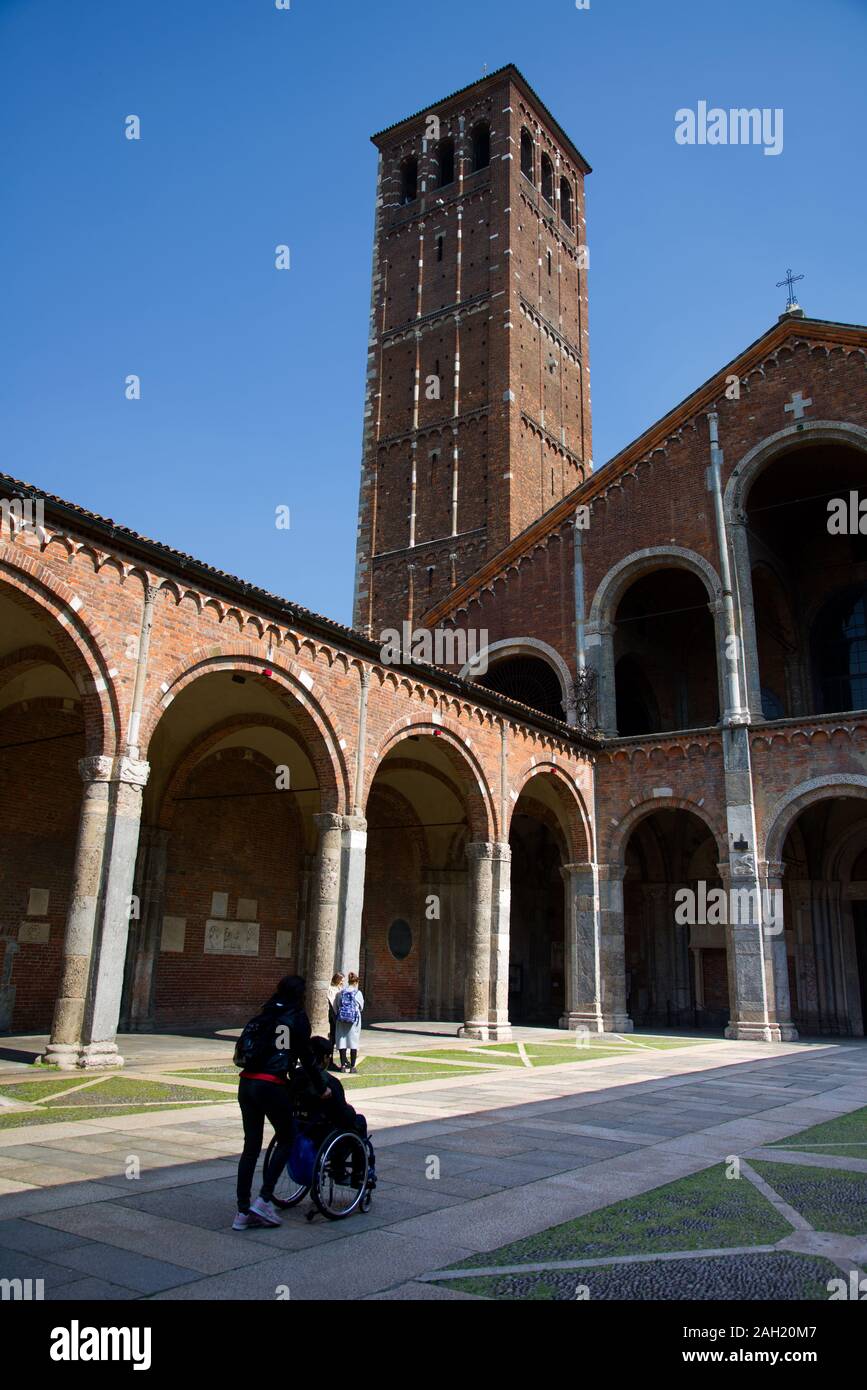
x: 205, y: 788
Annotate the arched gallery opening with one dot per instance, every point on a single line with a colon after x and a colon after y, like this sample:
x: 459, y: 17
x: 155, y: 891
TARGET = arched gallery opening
x: 545, y: 822
x: 226, y: 852
x: 665, y: 669
x: 825, y: 911
x: 529, y: 679
x: 676, y: 971
x: 43, y: 734
x: 413, y: 939
x: 809, y: 578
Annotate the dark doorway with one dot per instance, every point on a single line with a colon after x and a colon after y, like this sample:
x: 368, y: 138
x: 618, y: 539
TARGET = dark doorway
x: 537, y: 934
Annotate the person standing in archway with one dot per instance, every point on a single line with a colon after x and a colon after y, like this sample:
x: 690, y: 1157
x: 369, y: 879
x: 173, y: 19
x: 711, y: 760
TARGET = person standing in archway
x: 333, y: 990
x: 348, y: 1007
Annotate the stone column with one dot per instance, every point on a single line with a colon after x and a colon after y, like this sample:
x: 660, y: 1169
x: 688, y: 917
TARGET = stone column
x: 775, y: 935
x: 583, y: 950
x: 325, y: 913
x: 144, y: 944
x: 86, y: 1013
x: 353, y: 856
x: 499, y: 1028
x: 302, y: 915
x: 477, y: 990
x: 612, y: 949
x: 752, y: 985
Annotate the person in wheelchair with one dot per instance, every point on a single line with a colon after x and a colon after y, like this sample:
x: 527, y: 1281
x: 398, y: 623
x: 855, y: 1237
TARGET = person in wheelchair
x: 333, y: 1107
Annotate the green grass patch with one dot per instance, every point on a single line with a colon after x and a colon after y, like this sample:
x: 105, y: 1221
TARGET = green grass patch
x: 63, y: 1114
x: 771, y: 1275
x: 845, y: 1136
x: 830, y: 1198
x: 34, y: 1091
x: 127, y: 1090
x: 705, y: 1210
x: 554, y: 1054
x: 460, y: 1055
x: 227, y: 1077
x: 393, y: 1071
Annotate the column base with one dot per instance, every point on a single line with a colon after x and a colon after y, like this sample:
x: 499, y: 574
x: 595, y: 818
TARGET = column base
x: 62, y: 1055
x: 97, y: 1056
x: 762, y: 1032
x: 595, y: 1022
x: 477, y: 1031
x: 500, y: 1032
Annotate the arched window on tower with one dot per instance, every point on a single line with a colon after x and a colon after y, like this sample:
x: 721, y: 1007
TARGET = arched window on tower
x: 446, y: 161
x: 408, y: 180
x: 547, y: 180
x: 566, y: 202
x: 481, y: 146
x: 527, y: 161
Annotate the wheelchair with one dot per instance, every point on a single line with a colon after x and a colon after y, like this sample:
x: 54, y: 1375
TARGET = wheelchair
x: 343, y: 1171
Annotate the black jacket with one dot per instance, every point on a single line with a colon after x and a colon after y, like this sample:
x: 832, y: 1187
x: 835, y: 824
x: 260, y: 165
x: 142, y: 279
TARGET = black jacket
x: 284, y: 1061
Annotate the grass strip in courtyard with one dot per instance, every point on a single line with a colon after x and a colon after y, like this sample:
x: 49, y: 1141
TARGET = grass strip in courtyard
x: 843, y: 1137
x: 62, y: 1114
x: 830, y: 1199
x: 779, y: 1275
x: 72, y: 1099
x: 703, y: 1211
x: 372, y: 1071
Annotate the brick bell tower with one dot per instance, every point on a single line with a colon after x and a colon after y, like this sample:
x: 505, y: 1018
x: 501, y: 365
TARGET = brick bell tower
x: 477, y: 413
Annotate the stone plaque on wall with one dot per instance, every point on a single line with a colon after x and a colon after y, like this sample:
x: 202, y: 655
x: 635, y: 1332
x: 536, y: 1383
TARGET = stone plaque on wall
x: 33, y: 933
x: 232, y: 938
x: 173, y: 934
x: 37, y: 903
x: 283, y: 948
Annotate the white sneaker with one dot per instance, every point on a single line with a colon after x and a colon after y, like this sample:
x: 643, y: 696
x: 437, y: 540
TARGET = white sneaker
x: 245, y: 1221
x: 266, y: 1212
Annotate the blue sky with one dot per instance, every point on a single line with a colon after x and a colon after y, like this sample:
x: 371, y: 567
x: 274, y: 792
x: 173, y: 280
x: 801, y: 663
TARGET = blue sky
x: 156, y: 257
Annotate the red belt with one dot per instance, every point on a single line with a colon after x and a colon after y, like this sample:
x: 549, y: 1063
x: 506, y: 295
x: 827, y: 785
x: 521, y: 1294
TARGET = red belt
x: 263, y: 1076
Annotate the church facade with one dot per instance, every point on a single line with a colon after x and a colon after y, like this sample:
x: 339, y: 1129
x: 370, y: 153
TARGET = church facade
x: 646, y: 805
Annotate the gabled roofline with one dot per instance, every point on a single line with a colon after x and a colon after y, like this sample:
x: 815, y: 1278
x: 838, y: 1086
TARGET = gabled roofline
x: 491, y: 79
x: 788, y: 326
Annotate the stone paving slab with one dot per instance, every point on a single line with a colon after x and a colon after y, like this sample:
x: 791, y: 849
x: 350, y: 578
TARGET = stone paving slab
x: 130, y: 1269
x: 360, y: 1264
x: 204, y: 1252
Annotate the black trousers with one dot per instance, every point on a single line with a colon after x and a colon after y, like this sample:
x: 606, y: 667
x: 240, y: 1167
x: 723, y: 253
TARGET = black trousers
x: 261, y: 1100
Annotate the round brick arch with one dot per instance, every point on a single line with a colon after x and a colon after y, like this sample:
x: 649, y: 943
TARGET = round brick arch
x: 575, y: 822
x: 315, y: 720
x: 784, y: 813
x: 33, y: 586
x: 617, y: 845
x: 469, y: 773
x: 201, y: 747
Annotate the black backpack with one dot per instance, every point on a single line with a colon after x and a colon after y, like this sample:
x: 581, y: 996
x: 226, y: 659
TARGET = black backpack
x: 257, y: 1043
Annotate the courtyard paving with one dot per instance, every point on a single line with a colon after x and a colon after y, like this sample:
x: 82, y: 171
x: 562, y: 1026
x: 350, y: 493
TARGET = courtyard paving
x: 471, y: 1164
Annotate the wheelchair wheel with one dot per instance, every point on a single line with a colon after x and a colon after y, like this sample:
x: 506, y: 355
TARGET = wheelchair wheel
x: 340, y: 1175
x: 287, y: 1192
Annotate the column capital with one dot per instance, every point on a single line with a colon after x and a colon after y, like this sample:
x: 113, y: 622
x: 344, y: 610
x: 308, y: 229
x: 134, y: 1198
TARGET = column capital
x: 738, y: 866
x: 133, y: 771
x: 489, y: 849
x: 329, y: 820
x: 616, y: 873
